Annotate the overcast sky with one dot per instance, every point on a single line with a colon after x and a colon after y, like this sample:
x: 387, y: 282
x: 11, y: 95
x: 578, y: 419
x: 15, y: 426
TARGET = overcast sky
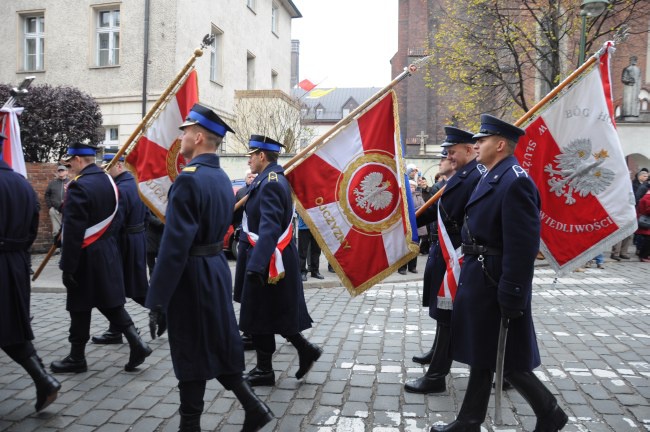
x: 346, y: 43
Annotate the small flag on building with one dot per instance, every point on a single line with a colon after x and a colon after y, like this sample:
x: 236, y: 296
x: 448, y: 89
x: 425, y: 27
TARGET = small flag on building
x: 306, y: 85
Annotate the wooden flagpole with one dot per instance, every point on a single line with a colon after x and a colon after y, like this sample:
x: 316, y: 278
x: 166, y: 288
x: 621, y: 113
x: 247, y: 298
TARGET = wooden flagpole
x: 350, y: 117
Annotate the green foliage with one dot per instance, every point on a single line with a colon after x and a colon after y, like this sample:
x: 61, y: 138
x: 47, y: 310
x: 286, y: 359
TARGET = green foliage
x: 55, y: 117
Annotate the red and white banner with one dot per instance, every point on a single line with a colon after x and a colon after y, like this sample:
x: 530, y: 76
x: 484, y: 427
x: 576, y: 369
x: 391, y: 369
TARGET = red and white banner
x: 351, y: 194
x: 12, y: 152
x: 572, y: 151
x: 453, y: 259
x: 156, y: 159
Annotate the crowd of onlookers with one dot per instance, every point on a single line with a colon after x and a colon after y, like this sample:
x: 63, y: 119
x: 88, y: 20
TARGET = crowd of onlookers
x: 641, y: 189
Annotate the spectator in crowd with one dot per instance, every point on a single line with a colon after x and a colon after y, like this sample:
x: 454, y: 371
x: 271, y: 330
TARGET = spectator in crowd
x: 54, y: 195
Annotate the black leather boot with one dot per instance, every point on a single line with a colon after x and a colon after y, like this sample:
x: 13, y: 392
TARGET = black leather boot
x: 550, y: 417
x: 47, y: 387
x: 257, y: 412
x: 111, y: 336
x: 434, y: 381
x: 139, y: 349
x: 316, y: 275
x: 189, y: 422
x: 75, y: 362
x: 474, y: 408
x: 262, y: 374
x: 308, y: 353
x: 425, y: 358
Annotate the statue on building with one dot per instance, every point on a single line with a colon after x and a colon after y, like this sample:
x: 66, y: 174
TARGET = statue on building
x: 631, y: 79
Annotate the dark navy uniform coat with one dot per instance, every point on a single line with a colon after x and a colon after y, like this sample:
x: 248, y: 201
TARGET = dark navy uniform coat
x: 97, y: 268
x: 196, y: 291
x: 18, y: 226
x: 457, y: 192
x: 275, y: 308
x: 502, y: 213
x: 132, y: 237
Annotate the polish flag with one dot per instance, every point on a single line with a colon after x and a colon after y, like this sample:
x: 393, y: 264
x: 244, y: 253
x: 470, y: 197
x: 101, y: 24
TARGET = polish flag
x: 12, y: 152
x: 306, y: 85
x: 351, y: 193
x: 572, y: 151
x: 156, y: 159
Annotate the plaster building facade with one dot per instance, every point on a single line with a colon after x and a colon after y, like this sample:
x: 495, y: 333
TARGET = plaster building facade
x: 124, y: 52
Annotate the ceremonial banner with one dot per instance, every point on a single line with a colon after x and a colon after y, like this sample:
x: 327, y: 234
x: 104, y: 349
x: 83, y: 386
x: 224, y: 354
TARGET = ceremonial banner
x: 351, y: 194
x: 572, y: 151
x: 156, y: 160
x: 12, y: 152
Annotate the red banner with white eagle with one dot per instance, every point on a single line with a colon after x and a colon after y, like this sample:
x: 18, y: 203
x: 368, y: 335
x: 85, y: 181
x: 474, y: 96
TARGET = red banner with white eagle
x: 12, y: 152
x: 572, y: 151
x: 351, y: 194
x: 156, y: 159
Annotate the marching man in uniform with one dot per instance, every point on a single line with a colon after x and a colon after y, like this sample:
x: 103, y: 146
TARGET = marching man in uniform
x: 191, y: 281
x: 268, y: 282
x: 500, y: 242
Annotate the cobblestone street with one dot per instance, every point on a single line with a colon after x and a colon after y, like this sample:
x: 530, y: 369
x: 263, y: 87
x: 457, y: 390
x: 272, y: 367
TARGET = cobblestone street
x: 593, y: 329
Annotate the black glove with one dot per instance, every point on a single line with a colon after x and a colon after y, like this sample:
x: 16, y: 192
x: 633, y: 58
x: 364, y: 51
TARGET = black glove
x: 69, y: 281
x: 255, y: 280
x: 157, y: 322
x: 57, y: 239
x: 511, y: 313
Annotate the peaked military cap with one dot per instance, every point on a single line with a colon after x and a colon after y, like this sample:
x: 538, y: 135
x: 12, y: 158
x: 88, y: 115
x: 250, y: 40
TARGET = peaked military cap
x: 79, y: 149
x: 109, y: 157
x: 491, y: 125
x: 204, y: 116
x: 260, y: 142
x: 444, y: 154
x: 457, y: 136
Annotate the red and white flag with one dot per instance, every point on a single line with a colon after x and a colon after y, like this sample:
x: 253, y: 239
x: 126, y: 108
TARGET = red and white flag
x: 12, y: 152
x: 156, y: 159
x: 572, y: 151
x: 351, y: 194
x: 306, y: 85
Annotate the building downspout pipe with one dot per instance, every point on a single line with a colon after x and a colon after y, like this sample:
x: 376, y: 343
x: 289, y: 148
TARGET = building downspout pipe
x: 145, y: 60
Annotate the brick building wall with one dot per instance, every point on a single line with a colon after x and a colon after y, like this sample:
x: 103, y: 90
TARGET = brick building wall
x: 39, y: 175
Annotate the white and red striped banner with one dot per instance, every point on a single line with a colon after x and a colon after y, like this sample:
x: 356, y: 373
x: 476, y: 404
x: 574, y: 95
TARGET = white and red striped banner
x: 351, y: 194
x: 572, y: 151
x: 12, y: 152
x: 156, y: 159
x: 453, y: 261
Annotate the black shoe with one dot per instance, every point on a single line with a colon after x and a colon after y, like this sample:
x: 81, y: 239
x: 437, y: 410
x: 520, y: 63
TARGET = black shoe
x: 258, y: 377
x: 426, y: 385
x: 413, y: 271
x: 304, y: 277
x: 625, y: 256
x: 317, y: 275
x: 401, y: 271
x: 257, y: 412
x: 553, y: 421
x: 615, y: 257
x: 47, y: 387
x: 331, y: 269
x: 139, y: 349
x: 307, y: 357
x: 108, y: 338
x: 425, y: 358
x: 69, y: 365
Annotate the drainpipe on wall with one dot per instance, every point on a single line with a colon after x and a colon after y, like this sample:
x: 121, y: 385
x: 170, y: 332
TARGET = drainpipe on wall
x: 145, y: 60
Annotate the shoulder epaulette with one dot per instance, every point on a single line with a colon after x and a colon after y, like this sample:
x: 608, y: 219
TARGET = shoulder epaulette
x: 273, y: 176
x: 77, y: 177
x: 189, y: 169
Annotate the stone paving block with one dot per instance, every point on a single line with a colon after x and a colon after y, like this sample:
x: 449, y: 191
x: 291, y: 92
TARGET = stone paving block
x: 95, y: 417
x: 113, y: 427
x: 147, y: 424
x: 301, y: 406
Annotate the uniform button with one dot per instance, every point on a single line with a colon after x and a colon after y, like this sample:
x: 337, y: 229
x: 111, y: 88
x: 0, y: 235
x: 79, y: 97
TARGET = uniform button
x: 517, y: 290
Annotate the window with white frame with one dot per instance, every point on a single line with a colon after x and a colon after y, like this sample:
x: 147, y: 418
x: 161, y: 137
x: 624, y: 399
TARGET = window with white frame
x: 108, y: 37
x: 216, y: 57
x: 275, y: 16
x: 111, y: 136
x: 34, y: 42
x: 250, y: 71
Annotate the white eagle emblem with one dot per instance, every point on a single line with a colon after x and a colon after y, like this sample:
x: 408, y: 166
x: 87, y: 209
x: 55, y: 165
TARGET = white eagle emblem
x: 579, y: 171
x: 373, y: 194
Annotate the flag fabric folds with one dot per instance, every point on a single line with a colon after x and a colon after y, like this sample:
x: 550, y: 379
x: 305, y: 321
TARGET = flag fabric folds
x: 12, y: 152
x: 306, y: 85
x: 572, y: 151
x: 351, y: 194
x: 156, y: 160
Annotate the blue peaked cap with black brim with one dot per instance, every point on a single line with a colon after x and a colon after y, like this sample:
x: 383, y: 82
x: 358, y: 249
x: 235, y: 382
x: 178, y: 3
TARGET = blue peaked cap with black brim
x: 457, y: 136
x: 205, y: 117
x: 260, y: 142
x: 79, y: 149
x: 491, y: 125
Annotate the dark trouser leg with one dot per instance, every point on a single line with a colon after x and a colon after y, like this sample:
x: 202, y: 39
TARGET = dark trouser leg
x: 308, y: 353
x: 47, y: 387
x: 119, y: 317
x: 257, y: 413
x: 412, y: 265
x: 262, y: 374
x: 314, y: 255
x: 425, y: 358
x: 303, y: 247
x: 151, y: 262
x: 550, y: 417
x: 191, y: 395
x: 434, y: 381
x: 474, y: 408
x: 75, y: 362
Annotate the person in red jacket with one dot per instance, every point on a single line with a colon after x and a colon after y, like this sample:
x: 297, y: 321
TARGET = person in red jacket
x: 643, y: 208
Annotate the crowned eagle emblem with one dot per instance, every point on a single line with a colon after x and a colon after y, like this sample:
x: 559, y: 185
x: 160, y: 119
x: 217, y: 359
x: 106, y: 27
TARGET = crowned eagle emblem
x: 372, y: 194
x: 578, y: 171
